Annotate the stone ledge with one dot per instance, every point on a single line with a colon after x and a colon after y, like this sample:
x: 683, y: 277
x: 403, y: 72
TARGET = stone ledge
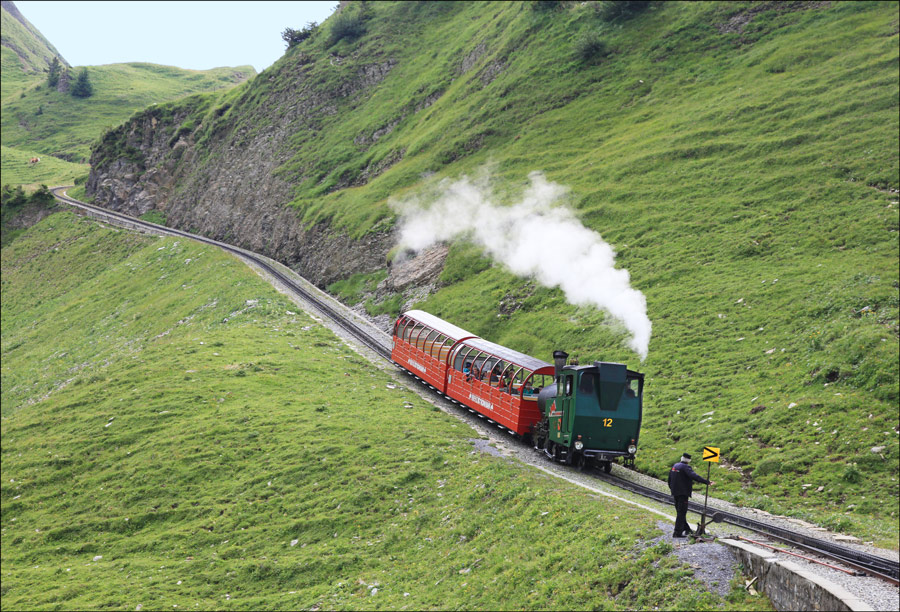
x: 789, y: 586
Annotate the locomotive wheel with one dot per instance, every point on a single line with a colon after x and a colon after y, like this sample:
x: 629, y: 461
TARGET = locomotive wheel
x: 582, y: 462
x: 607, y: 466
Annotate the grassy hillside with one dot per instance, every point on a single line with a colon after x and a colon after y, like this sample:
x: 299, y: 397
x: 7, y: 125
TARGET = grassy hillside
x: 25, y: 51
x: 59, y: 124
x: 174, y: 434
x: 740, y: 157
x: 18, y: 170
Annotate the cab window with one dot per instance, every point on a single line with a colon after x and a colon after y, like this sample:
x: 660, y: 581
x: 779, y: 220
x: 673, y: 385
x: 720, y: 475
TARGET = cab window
x: 588, y: 383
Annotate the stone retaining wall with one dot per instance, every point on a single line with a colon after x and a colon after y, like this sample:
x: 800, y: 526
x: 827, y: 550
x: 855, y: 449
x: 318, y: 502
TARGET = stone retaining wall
x: 789, y: 586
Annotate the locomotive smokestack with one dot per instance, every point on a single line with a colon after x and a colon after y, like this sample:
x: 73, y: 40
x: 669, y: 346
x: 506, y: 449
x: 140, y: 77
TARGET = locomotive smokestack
x: 559, y: 360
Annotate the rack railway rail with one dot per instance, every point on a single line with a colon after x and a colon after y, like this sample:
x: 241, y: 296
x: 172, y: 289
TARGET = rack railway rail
x: 879, y: 567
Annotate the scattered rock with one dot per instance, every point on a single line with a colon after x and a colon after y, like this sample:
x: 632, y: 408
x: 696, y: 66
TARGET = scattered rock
x: 421, y: 269
x: 846, y: 538
x: 878, y: 449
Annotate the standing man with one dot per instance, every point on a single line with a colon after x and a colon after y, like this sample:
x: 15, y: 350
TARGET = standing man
x: 681, y: 484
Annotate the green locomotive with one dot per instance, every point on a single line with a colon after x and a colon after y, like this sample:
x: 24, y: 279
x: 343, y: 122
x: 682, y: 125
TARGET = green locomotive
x: 591, y: 414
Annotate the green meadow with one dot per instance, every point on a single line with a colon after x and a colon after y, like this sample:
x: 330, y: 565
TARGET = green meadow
x: 18, y: 170
x: 176, y: 434
x: 64, y: 126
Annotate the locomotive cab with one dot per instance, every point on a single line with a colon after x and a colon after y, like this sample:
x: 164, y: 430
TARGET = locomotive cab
x: 591, y: 414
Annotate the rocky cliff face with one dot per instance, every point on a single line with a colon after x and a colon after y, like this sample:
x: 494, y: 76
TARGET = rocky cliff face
x: 226, y: 187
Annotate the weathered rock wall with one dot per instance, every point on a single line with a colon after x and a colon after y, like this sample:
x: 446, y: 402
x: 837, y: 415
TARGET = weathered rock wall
x: 226, y: 187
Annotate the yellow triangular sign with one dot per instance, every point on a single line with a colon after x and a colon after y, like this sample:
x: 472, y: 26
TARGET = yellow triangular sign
x: 711, y: 453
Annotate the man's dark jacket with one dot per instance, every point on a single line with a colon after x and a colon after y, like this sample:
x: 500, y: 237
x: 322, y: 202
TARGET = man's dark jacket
x: 681, y: 479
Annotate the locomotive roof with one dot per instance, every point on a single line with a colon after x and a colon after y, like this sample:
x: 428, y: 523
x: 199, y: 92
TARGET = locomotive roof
x: 507, y: 354
x: 593, y: 366
x: 438, y: 324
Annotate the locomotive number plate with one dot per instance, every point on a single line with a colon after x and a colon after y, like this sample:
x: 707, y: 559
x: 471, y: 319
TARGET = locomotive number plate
x: 607, y: 422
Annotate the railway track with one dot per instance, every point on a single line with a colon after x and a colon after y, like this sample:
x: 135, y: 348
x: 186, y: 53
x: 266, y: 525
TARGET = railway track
x: 863, y: 562
x: 867, y: 563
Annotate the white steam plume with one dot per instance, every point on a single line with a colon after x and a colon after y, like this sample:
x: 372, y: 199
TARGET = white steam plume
x: 532, y: 238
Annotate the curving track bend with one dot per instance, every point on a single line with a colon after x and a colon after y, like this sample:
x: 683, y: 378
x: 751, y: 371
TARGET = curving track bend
x: 885, y: 569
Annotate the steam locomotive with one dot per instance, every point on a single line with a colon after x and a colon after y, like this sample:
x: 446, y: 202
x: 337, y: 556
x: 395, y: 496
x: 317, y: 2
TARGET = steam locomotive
x: 575, y: 414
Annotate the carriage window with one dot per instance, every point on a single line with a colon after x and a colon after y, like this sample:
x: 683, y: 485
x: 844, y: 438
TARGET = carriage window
x: 420, y: 335
x: 471, y: 362
x: 569, y: 385
x: 505, y: 373
x: 462, y: 362
x: 428, y: 345
x: 480, y: 365
x: 439, y: 346
x: 412, y: 330
x: 399, y: 326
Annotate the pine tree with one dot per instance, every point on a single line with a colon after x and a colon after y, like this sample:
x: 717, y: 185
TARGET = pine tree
x: 82, y: 87
x: 53, y: 76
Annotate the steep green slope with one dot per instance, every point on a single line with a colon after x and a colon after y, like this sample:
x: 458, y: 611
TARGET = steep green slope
x: 174, y: 435
x: 740, y: 157
x: 26, y: 54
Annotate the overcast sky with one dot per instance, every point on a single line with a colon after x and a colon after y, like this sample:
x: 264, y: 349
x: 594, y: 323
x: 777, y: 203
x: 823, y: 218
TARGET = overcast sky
x: 195, y: 35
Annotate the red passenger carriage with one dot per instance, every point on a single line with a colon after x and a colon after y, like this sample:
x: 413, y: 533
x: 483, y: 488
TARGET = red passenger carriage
x: 495, y: 381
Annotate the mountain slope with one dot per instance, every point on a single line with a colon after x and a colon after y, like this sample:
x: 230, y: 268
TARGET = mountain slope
x: 26, y: 54
x: 167, y: 442
x: 740, y: 157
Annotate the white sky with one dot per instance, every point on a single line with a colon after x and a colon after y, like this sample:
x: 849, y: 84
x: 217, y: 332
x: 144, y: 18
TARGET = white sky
x: 194, y: 35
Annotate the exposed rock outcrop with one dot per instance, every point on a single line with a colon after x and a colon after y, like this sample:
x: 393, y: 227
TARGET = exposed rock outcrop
x: 221, y: 180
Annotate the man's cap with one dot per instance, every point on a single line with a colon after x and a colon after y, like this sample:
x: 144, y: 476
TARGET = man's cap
x: 686, y: 455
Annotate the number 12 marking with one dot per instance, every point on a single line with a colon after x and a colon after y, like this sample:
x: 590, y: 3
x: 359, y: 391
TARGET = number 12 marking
x: 607, y: 422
